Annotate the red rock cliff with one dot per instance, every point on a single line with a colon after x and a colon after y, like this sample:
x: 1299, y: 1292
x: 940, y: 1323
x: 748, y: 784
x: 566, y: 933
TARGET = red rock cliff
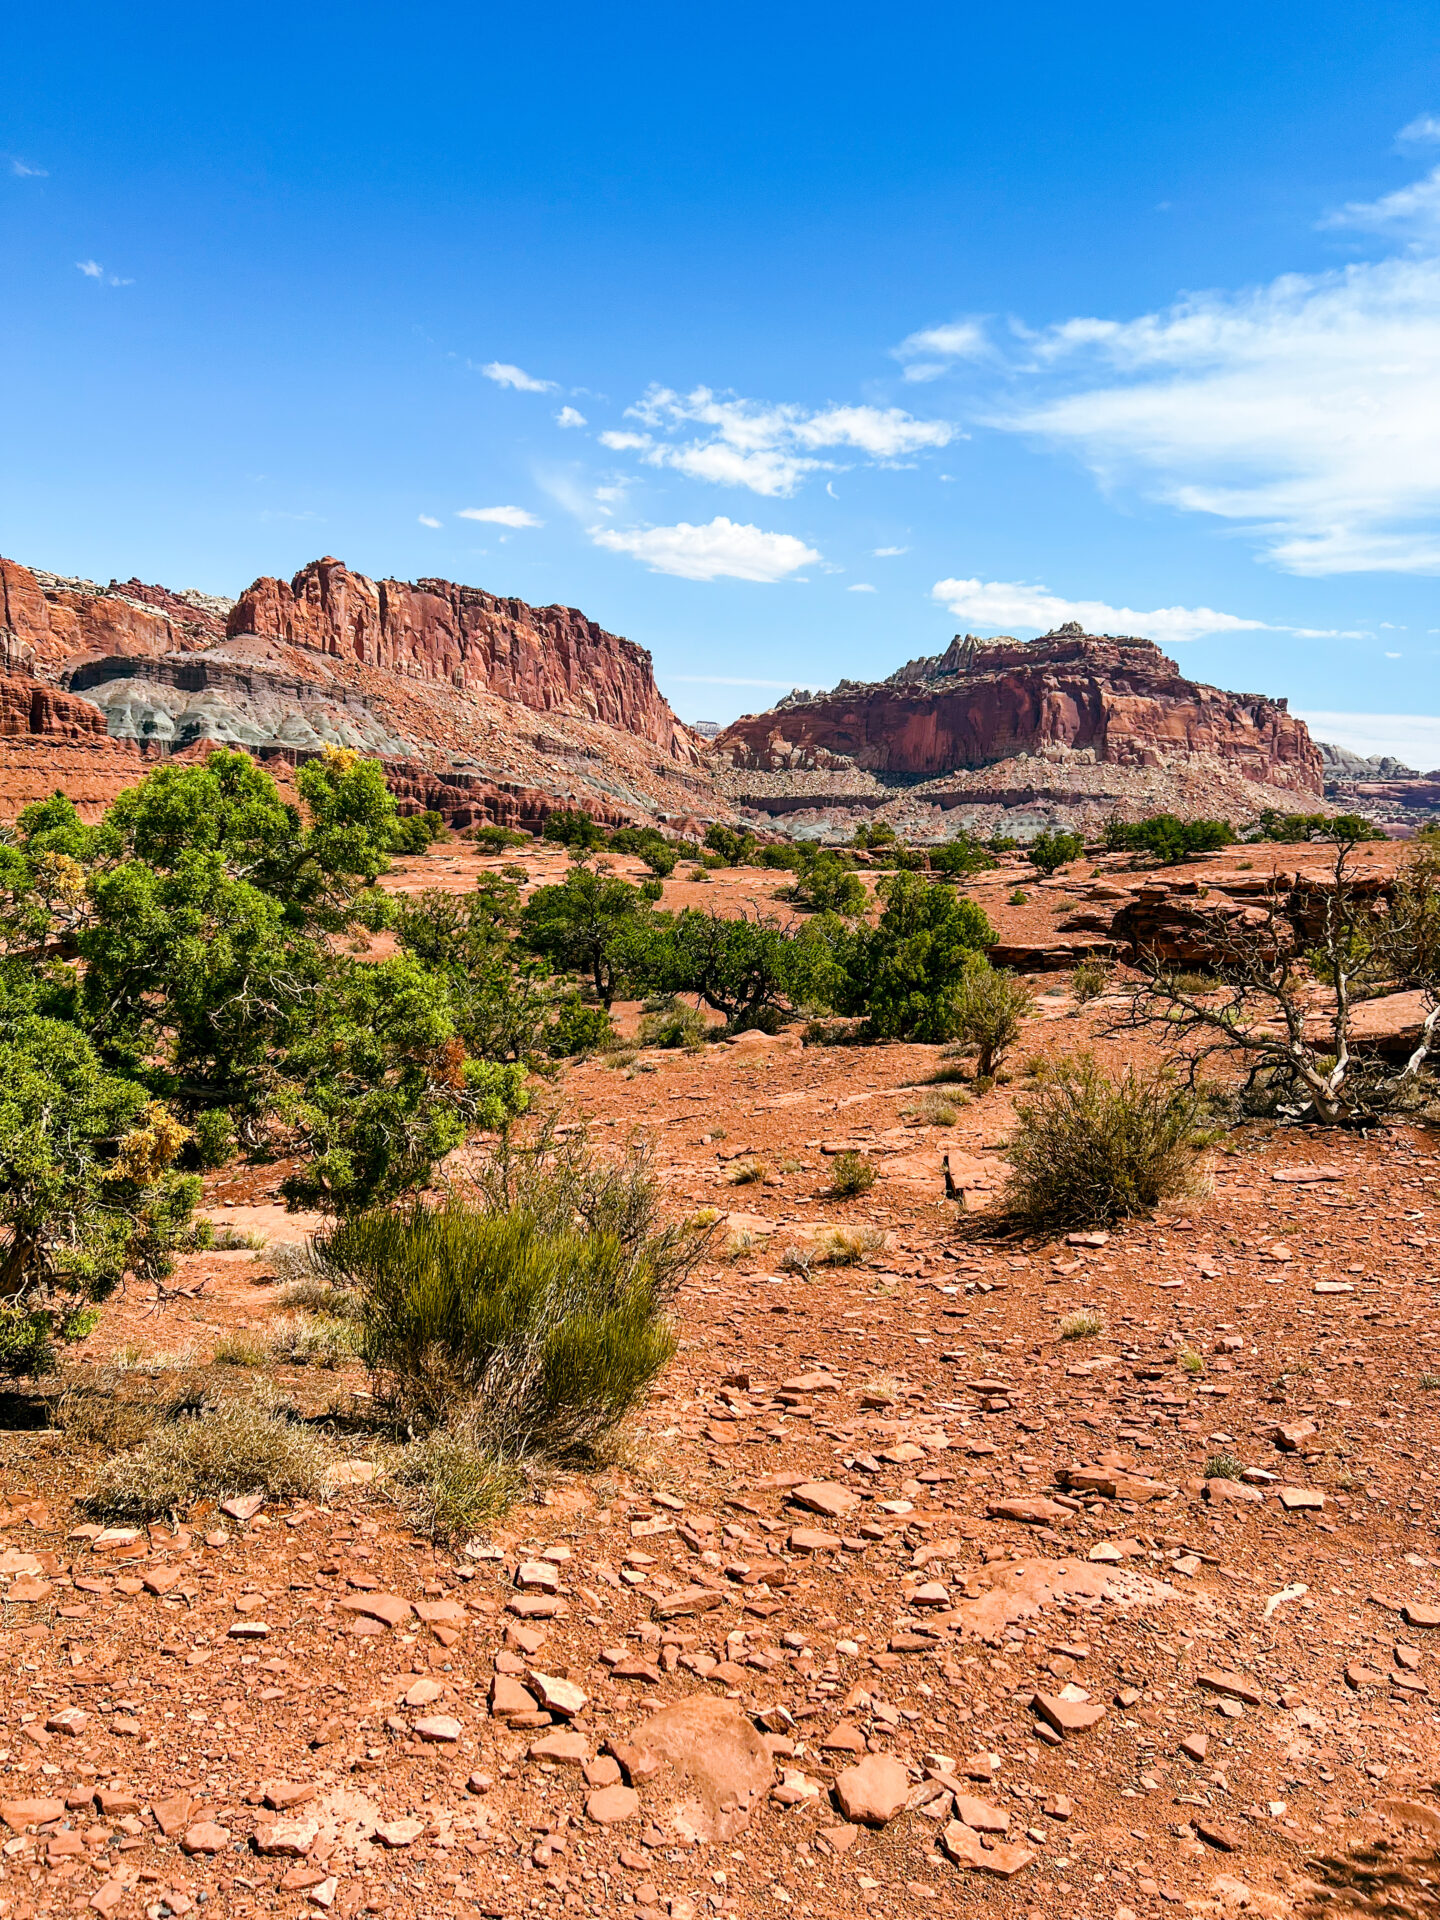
x: 548, y: 658
x: 982, y: 702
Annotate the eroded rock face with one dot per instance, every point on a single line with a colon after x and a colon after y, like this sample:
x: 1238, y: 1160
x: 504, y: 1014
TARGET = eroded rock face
x: 548, y: 658
x: 1120, y: 700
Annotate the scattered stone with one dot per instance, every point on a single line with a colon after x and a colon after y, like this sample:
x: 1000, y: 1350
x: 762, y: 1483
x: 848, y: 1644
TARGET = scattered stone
x: 609, y: 1806
x: 872, y: 1793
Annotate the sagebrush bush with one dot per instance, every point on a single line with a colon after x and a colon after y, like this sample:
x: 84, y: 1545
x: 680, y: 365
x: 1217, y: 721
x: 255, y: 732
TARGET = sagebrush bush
x: 847, y: 1246
x: 241, y: 1347
x: 851, y: 1174
x: 543, y: 1333
x: 746, y: 1173
x: 311, y: 1339
x: 1089, y: 1150
x: 240, y: 1446
x: 1223, y: 1466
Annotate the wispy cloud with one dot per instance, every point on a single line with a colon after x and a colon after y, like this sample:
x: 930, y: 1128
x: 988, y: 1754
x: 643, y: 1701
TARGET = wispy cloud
x: 570, y: 417
x: 1302, y: 411
x: 93, y: 270
x: 720, y: 549
x: 1013, y: 606
x: 1411, y: 212
x: 889, y: 553
x: 427, y: 520
x: 933, y: 350
x: 23, y: 170
x: 506, y: 375
x: 1422, y: 131
x: 500, y: 516
x: 861, y: 586
x: 767, y: 448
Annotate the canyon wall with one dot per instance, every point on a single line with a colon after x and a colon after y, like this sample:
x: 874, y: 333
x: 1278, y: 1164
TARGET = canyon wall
x: 1119, y: 702
x: 547, y: 658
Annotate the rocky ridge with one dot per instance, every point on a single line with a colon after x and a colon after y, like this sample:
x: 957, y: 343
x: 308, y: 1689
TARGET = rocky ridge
x: 485, y: 708
x: 1054, y: 731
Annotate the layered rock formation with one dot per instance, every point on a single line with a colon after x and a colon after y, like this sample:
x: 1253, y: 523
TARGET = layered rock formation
x: 549, y: 658
x: 986, y: 701
x: 1055, y: 727
x: 446, y: 684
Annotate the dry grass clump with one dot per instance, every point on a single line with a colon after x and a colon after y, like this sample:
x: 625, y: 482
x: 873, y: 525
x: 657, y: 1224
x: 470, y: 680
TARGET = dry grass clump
x: 237, y: 1240
x: 1223, y: 1466
x: 451, y: 1483
x: 1089, y: 1150
x: 935, y: 1109
x: 314, y: 1295
x: 850, y: 1175
x: 847, y: 1246
x: 241, y: 1347
x: 1083, y: 1324
x: 309, y: 1339
x: 253, y: 1445
x: 1089, y: 980
x: 746, y: 1173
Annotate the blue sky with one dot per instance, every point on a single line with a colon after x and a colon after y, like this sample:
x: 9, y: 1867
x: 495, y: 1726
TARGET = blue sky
x: 787, y: 340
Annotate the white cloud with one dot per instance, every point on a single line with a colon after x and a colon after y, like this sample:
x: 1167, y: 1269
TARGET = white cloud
x: 1423, y: 130
x: 91, y: 269
x: 505, y: 375
x: 1411, y: 737
x: 23, y: 170
x: 889, y: 553
x: 427, y: 521
x: 769, y: 449
x: 1409, y: 211
x: 500, y: 516
x: 1302, y: 411
x: 570, y: 417
x: 721, y: 549
x: 861, y: 586
x: 1009, y: 604
x: 933, y: 350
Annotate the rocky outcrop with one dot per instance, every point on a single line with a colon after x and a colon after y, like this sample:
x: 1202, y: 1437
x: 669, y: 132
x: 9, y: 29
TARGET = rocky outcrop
x: 47, y: 620
x: 548, y: 658
x: 29, y: 708
x: 1111, y: 701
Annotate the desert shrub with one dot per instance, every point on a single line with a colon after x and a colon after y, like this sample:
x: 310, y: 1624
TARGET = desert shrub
x: 240, y: 1446
x: 1191, y: 1361
x: 729, y: 847
x: 289, y: 1263
x: 990, y: 1008
x: 1089, y: 1150
x: 414, y: 832
x: 1223, y: 1466
x: 545, y: 1334
x: 215, y: 1141
x: 963, y: 854
x: 1089, y: 980
x: 851, y: 1174
x: 491, y: 839
x: 824, y: 886
x: 450, y: 1483
x: 311, y: 1294
x: 241, y: 1347
x: 573, y: 828
x: 746, y: 1173
x: 581, y: 926
x: 651, y: 847
x: 874, y: 833
x: 314, y: 1339
x: 932, y: 1110
x: 1291, y: 827
x: 1053, y: 849
x: 754, y: 973
x: 1166, y: 838
x: 578, y: 1029
x: 847, y: 1246
x: 1083, y: 1324
x: 512, y: 871
x: 675, y: 1025
x: 1018, y: 898
x: 905, y: 973
x: 829, y: 1033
